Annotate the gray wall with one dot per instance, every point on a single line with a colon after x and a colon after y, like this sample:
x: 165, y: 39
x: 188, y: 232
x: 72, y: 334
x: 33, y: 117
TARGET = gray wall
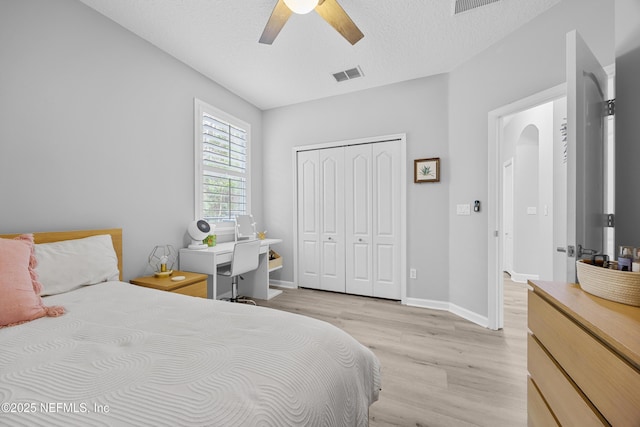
x: 431, y: 111
x: 627, y: 201
x: 417, y: 108
x: 530, y: 60
x: 96, y: 128
x: 526, y: 232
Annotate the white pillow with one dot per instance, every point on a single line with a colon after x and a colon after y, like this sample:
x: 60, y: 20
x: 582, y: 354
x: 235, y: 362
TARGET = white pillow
x: 67, y: 265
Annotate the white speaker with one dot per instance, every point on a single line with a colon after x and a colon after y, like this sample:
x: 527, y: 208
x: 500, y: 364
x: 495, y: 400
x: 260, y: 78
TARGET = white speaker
x: 198, y: 230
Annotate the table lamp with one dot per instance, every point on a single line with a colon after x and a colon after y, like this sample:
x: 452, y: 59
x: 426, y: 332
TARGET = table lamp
x: 161, y: 259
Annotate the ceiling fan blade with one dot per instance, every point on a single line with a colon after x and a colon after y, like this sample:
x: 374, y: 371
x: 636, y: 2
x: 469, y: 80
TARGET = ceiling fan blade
x: 335, y: 15
x: 279, y: 17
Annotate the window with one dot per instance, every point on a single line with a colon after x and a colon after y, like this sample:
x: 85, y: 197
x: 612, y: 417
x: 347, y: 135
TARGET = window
x: 222, y: 145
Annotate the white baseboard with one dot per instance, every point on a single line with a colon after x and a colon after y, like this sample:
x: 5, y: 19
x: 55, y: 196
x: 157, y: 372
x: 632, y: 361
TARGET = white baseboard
x: 469, y: 315
x: 271, y: 294
x: 276, y: 283
x: 522, y: 277
x: 450, y: 307
x: 226, y: 295
x: 427, y: 303
x: 421, y: 303
x: 282, y: 284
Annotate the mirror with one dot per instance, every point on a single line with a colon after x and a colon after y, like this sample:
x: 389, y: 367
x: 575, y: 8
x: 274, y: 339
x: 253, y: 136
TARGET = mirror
x: 245, y: 227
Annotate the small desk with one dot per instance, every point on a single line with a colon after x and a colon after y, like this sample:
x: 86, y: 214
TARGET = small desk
x: 206, y: 261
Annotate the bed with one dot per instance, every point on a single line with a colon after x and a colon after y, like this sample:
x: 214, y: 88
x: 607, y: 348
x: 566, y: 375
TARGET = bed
x: 128, y: 355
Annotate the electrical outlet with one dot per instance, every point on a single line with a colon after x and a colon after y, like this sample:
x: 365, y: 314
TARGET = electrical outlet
x: 413, y: 274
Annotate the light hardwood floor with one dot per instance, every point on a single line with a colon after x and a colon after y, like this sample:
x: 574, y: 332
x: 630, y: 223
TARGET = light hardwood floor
x: 437, y: 369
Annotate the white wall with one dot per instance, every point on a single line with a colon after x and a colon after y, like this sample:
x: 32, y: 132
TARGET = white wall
x: 526, y: 245
x: 96, y: 128
x: 417, y: 108
x: 529, y: 138
x: 530, y: 60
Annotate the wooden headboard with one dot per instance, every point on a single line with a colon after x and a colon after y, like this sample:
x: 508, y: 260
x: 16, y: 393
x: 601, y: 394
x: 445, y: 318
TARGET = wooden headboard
x: 58, y: 236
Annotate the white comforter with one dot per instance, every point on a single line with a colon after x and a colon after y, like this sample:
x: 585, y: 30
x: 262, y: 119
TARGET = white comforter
x: 126, y: 355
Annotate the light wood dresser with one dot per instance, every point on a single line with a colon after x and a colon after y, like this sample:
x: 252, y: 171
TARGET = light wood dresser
x: 583, y: 358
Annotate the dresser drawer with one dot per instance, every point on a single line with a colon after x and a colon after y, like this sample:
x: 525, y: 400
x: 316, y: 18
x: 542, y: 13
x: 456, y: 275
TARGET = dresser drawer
x: 565, y: 400
x: 609, y: 382
x: 195, y: 290
x: 538, y: 413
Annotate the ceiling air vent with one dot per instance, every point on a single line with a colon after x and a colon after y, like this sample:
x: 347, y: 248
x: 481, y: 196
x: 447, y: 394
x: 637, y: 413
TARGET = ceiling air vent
x: 352, y: 73
x: 466, y: 5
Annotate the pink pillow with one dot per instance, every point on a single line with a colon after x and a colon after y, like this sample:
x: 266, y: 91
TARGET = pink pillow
x: 19, y: 287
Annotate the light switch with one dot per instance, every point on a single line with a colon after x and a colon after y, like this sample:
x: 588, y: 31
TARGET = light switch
x: 532, y: 210
x: 464, y: 209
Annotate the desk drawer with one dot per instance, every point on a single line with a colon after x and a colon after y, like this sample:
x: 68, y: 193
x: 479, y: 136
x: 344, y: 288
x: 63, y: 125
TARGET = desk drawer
x: 224, y: 258
x: 609, y: 383
x: 564, y: 399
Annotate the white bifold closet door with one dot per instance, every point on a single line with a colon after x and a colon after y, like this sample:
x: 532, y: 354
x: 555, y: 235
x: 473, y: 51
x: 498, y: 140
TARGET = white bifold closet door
x: 349, y: 219
x: 387, y: 235
x: 308, y: 220
x: 372, y: 186
x: 332, y: 219
x: 359, y: 218
x: 321, y: 219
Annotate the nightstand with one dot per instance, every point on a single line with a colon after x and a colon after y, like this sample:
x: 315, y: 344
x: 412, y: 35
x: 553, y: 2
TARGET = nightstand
x: 194, y: 284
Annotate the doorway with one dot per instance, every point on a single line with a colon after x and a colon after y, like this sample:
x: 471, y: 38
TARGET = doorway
x: 528, y: 143
x: 531, y: 139
x: 507, y: 214
x: 512, y: 123
x: 558, y: 206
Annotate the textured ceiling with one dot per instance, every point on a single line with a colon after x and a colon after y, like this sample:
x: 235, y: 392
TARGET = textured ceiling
x: 404, y: 39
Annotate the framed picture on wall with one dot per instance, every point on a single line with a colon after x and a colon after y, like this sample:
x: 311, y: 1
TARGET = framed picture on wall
x: 426, y: 170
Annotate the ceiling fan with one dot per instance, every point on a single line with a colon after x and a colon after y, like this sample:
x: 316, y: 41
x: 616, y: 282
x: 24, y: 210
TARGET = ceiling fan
x: 330, y: 11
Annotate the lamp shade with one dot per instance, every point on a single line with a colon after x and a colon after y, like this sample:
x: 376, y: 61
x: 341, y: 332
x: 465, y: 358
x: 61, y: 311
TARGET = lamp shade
x: 301, y: 6
x: 161, y: 260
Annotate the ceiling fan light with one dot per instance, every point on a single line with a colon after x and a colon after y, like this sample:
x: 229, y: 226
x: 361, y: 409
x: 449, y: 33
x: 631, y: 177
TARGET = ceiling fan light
x: 301, y: 6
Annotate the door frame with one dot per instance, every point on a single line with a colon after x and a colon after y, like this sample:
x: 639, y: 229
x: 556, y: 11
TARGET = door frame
x: 508, y: 163
x: 495, y: 250
x: 401, y: 138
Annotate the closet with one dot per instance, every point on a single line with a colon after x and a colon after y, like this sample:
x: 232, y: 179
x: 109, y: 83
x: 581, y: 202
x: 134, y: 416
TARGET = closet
x: 349, y: 219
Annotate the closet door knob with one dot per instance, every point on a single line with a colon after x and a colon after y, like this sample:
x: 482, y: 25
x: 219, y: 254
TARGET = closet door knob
x: 330, y: 238
x: 359, y: 240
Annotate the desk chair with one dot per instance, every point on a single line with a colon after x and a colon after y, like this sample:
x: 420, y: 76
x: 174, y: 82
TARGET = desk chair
x: 245, y: 259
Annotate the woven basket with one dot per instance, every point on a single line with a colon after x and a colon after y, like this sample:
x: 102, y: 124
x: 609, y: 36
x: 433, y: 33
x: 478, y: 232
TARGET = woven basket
x: 614, y: 285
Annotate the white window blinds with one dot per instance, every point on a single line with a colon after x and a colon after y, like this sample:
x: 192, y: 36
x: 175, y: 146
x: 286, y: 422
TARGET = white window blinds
x: 222, y: 154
